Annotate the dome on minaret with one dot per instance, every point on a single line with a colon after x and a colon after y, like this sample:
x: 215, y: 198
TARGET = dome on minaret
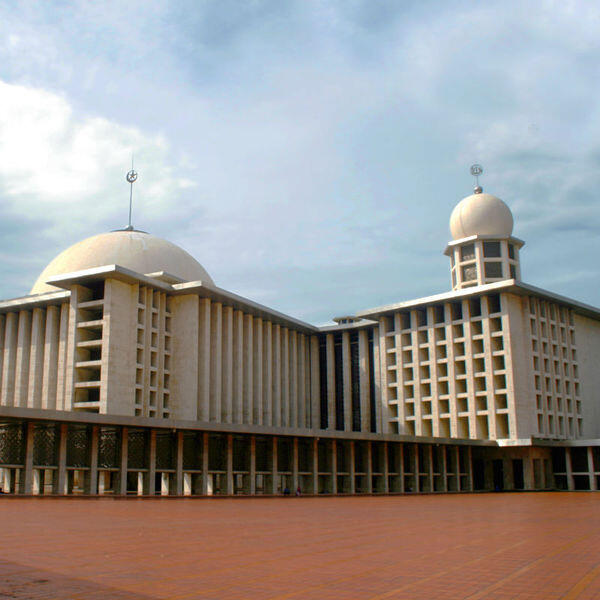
x: 135, y: 250
x: 481, y: 214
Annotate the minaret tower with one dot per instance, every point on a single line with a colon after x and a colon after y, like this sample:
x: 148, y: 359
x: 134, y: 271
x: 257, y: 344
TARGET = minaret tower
x: 483, y: 249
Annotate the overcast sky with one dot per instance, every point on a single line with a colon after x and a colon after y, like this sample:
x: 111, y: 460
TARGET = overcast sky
x: 307, y: 153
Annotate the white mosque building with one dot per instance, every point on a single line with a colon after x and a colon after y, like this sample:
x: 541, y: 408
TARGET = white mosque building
x: 126, y: 370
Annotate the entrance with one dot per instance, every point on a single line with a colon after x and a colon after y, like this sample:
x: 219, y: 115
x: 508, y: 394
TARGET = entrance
x: 498, y: 469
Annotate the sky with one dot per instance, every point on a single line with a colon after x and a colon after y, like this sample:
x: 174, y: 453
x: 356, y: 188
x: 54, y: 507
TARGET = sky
x: 307, y: 153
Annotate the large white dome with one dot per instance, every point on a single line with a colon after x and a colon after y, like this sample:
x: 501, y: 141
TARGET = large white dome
x: 481, y: 214
x: 135, y: 250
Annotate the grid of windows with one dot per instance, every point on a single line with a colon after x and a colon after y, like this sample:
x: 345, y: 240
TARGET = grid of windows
x: 555, y: 370
x: 447, y: 374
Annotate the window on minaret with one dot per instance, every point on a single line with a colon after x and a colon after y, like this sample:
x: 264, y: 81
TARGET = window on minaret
x: 493, y: 269
x: 513, y: 272
x: 491, y: 249
x: 469, y: 273
x: 467, y: 252
x: 511, y: 251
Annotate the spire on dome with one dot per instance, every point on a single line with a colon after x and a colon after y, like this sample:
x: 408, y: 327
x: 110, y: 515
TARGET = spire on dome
x: 476, y: 171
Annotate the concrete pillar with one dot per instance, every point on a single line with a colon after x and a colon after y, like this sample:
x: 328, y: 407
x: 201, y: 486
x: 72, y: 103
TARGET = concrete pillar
x: 334, y: 466
x: 352, y: 469
x: 50, y: 373
x: 508, y: 475
x: 528, y: 477
x: 590, y: 457
x: 285, y: 379
x: 370, y: 467
x: 205, y: 464
x: 92, y: 483
x: 35, y: 487
x: 315, y: 462
x: 229, y: 490
x: 363, y: 356
x: 347, y: 383
x: 22, y: 359
x: 570, y: 479
x: 293, y: 402
x: 386, y: 469
x: 36, y: 359
x: 302, y: 395
x: 164, y: 484
x: 295, y: 465
x: 227, y: 366
x: 9, y: 359
x: 179, y: 465
x: 274, y: 471
x: 238, y: 363
x: 248, y: 369
x: 216, y: 357
x: 187, y: 484
x: 204, y: 361
x: 29, y: 438
x: 257, y: 376
x: 123, y: 471
x: 267, y: 373
x: 140, y: 483
x: 151, y: 483
x: 330, y: 362
x: 315, y: 392
x: 61, y: 484
x: 277, y: 376
x: 252, y: 465
x: 430, y: 468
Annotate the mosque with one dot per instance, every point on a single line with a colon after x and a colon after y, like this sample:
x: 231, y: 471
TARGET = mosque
x: 127, y: 370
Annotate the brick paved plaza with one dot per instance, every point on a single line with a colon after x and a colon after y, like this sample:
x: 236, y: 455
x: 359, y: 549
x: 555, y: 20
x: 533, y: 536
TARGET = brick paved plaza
x: 505, y: 546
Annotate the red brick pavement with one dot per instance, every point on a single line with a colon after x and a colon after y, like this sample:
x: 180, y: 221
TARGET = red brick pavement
x: 482, y: 546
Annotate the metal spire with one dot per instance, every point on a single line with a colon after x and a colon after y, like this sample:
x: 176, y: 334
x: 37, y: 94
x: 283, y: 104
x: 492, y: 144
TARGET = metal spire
x: 131, y: 177
x: 476, y: 171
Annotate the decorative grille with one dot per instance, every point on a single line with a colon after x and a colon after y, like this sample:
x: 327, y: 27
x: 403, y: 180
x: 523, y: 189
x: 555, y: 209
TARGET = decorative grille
x: 192, y: 450
x: 78, y: 446
x: 165, y: 450
x: 12, y: 444
x: 137, y: 456
x: 45, y: 445
x: 109, y: 451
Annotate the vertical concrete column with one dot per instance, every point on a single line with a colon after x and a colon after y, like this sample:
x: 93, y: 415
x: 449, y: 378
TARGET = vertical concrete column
x: 277, y: 376
x: 50, y: 358
x: 9, y: 359
x: 569, y: 465
x: 364, y: 382
x: 151, y: 483
x: 22, y: 359
x: 352, y: 469
x: 2, y: 331
x: 28, y: 479
x: 274, y: 467
x: 295, y: 465
x: 379, y: 372
x: 204, y: 361
x: 470, y: 467
x: 590, y: 457
x: 334, y: 466
x: 347, y: 382
x: 216, y: 357
x: 267, y: 373
x: 238, y: 364
x: 285, y: 379
x: 293, y: 360
x: 123, y: 469
x: 227, y: 366
x: 205, y: 464
x: 507, y: 474
x: 257, y: 377
x: 430, y: 468
x: 445, y: 468
x: 330, y: 362
x: 252, y: 465
x: 248, y: 369
x: 229, y: 464
x: 370, y: 467
x: 61, y: 485
x: 400, y: 456
x: 315, y: 465
x: 386, y: 469
x: 301, y: 398
x: 92, y: 483
x: 315, y: 392
x: 528, y: 476
x: 179, y: 465
x: 36, y: 359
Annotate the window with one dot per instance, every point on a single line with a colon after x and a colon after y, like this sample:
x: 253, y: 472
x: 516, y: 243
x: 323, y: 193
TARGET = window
x: 511, y: 251
x: 469, y: 273
x: 513, y: 272
x: 493, y: 269
x: 467, y: 252
x: 491, y: 249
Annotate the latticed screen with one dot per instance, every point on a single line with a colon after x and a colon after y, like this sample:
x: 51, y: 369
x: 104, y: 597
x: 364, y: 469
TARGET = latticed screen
x: 45, y: 445
x: 165, y: 450
x: 137, y: 450
x: 109, y: 451
x: 78, y: 446
x: 12, y: 444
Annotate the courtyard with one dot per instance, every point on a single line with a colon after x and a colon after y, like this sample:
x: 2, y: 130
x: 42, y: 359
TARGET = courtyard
x: 468, y: 546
